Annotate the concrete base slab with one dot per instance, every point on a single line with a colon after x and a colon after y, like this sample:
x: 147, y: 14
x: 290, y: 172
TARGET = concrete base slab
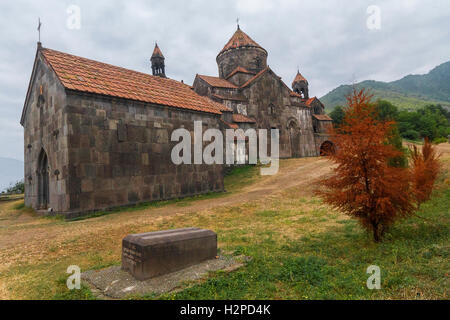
x: 115, y: 283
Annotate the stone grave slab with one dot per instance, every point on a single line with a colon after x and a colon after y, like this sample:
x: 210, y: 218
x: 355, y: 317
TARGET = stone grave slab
x: 152, y: 254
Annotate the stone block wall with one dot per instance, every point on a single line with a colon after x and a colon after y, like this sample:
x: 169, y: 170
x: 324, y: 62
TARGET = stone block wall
x: 120, y: 153
x: 251, y: 58
x: 271, y: 106
x: 45, y: 131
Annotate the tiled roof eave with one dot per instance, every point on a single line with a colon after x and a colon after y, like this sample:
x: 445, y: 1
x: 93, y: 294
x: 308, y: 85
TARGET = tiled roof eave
x: 89, y: 76
x: 82, y: 92
x: 240, y: 47
x: 213, y: 82
x: 253, y: 79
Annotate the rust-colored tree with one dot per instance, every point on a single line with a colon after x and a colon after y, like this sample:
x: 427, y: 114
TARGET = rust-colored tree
x: 425, y: 167
x: 363, y: 185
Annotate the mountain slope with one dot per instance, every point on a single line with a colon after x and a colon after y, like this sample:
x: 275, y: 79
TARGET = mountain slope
x: 11, y: 171
x: 410, y: 92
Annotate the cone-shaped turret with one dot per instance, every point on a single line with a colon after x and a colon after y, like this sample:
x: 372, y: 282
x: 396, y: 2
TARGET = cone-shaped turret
x: 158, y: 65
x: 300, y: 85
x: 241, y: 51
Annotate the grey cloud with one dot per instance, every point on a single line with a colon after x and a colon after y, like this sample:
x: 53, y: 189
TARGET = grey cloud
x: 328, y: 40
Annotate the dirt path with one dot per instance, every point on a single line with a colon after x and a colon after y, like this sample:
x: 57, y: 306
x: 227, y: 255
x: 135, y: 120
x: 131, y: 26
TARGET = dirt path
x: 17, y: 229
x: 23, y: 235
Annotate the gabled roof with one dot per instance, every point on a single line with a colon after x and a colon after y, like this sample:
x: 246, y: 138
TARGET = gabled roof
x: 232, y: 98
x: 259, y: 74
x: 217, y: 82
x: 240, y: 118
x: 311, y: 100
x: 157, y: 52
x: 85, y: 75
x: 299, y: 78
x: 240, y: 39
x: 239, y: 70
x: 230, y: 125
x: 322, y: 117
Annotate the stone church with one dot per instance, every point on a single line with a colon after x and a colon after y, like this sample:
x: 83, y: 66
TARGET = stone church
x: 97, y: 136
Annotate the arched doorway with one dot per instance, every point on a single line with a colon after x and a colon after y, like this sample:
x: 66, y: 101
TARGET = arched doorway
x: 294, y: 138
x: 43, y: 181
x: 327, y: 148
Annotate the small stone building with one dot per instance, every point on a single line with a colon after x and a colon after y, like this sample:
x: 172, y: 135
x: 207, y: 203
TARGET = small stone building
x: 98, y: 136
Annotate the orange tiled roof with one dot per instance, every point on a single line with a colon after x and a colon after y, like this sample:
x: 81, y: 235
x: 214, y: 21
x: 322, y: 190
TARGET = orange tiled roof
x: 299, y: 78
x: 239, y: 69
x: 309, y: 101
x: 240, y: 39
x: 255, y: 77
x: 295, y: 94
x: 230, y: 125
x: 81, y: 74
x: 240, y: 118
x: 232, y: 98
x: 157, y: 52
x: 322, y: 117
x: 217, y: 82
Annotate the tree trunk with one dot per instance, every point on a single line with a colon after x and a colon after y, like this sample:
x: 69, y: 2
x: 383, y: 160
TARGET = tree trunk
x: 376, y: 232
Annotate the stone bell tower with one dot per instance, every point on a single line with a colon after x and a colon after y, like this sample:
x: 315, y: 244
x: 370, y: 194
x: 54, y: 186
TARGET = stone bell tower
x: 158, y: 66
x: 300, y: 85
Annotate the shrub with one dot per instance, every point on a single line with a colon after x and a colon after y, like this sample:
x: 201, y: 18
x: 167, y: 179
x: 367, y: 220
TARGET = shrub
x: 17, y: 188
x: 411, y: 135
x: 424, y: 170
x: 440, y: 140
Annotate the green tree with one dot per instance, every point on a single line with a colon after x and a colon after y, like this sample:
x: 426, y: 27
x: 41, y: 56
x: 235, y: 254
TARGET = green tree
x: 386, y: 110
x: 337, y: 115
x: 17, y: 188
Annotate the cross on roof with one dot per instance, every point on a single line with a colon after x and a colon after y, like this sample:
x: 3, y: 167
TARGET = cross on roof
x: 39, y: 28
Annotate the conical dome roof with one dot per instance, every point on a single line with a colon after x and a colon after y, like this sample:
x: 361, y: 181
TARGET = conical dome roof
x: 240, y: 39
x: 299, y: 78
x: 157, y: 52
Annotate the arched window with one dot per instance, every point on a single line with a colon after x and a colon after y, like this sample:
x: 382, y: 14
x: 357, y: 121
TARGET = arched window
x: 272, y: 109
x: 41, y: 99
x: 327, y: 148
x: 294, y: 137
x: 43, y: 180
x: 258, y: 62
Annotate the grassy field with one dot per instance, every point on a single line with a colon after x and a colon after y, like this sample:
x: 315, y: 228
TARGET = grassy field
x: 299, y: 247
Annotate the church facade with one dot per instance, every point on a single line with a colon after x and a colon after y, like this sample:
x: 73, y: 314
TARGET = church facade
x: 260, y: 99
x: 98, y: 136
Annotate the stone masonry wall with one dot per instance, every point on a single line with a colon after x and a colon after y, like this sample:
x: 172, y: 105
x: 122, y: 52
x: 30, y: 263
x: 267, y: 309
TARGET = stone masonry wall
x: 45, y: 130
x: 120, y: 153
x: 252, y: 59
x: 269, y: 90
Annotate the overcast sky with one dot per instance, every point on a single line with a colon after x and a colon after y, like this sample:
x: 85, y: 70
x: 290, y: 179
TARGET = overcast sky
x: 329, y: 40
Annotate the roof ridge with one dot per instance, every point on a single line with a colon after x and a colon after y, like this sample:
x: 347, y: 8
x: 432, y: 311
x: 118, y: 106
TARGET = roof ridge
x: 255, y: 77
x: 157, y: 52
x: 239, y: 69
x: 240, y: 39
x: 87, y: 75
x: 110, y: 65
x: 229, y: 84
x: 299, y: 77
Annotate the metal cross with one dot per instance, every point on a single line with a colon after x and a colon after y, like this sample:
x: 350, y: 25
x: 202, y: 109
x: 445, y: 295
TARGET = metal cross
x: 39, y: 28
x: 237, y: 22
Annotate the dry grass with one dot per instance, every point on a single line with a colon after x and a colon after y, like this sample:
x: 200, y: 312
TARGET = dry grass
x: 265, y: 214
